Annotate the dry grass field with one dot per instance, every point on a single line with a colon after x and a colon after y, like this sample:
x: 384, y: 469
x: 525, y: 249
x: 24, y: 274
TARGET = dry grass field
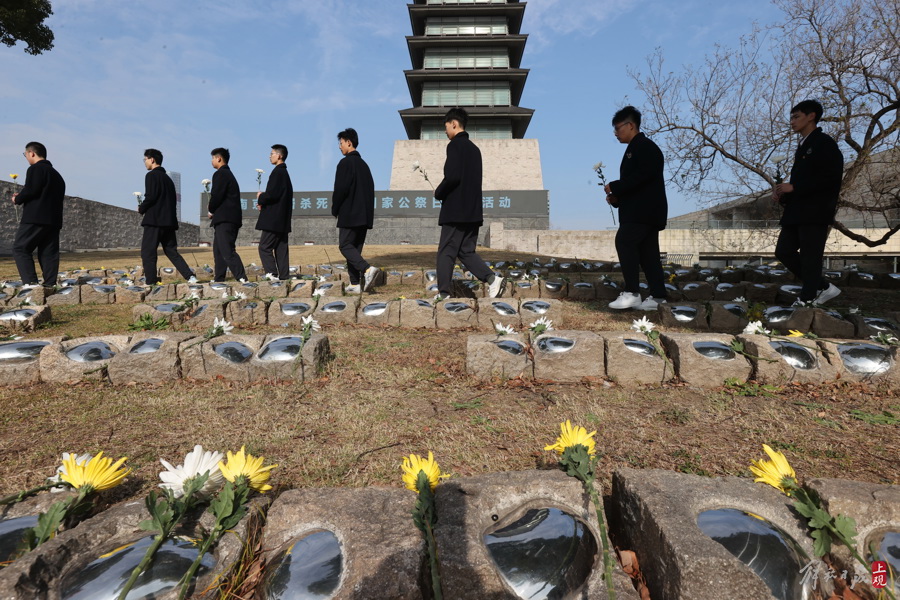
x: 389, y: 392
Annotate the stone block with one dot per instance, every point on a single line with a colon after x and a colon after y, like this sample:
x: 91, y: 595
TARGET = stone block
x: 247, y: 312
x: 414, y: 278
x: 762, y: 292
x: 20, y: 361
x: 567, y: 355
x: 254, y: 271
x: 799, y: 360
x: 80, y: 358
x: 35, y: 296
x: 132, y: 294
x: 608, y: 290
x: 226, y: 357
x: 24, y: 318
x: 554, y: 288
x: 781, y: 276
x: 785, y: 318
x: 249, y: 288
x: 863, y: 360
x: 869, y: 326
x: 169, y: 274
x: 890, y: 281
x: 217, y: 289
x: 204, y: 314
x: 170, y: 311
x: 149, y: 357
x: 497, y: 311
x: 525, y: 289
x: 273, y: 289
x: 286, y: 358
x: 161, y: 293
x: 684, y: 274
x: 838, y: 278
x: 374, y: 312
x: 470, y: 508
x: 788, y: 293
x: 657, y: 514
x: 456, y: 313
x: 337, y: 310
x: 393, y: 277
x: 417, y: 313
x: 490, y: 355
x: 198, y: 290
x: 632, y: 361
x: 330, y: 289
x: 861, y: 279
x: 705, y: 359
x: 683, y: 314
x: 531, y: 310
x: 728, y: 317
x: 98, y: 294
x: 301, y: 288
x: 697, y: 291
x: 733, y: 276
x: 726, y: 292
x: 289, y: 312
x: 466, y: 288
x: 582, y: 291
x: 380, y: 547
x: 831, y: 324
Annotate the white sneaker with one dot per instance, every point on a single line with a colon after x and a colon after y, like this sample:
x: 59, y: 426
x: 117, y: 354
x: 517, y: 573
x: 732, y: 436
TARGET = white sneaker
x: 496, y: 287
x: 353, y: 289
x: 650, y: 303
x: 626, y: 300
x: 832, y: 291
x: 370, y: 275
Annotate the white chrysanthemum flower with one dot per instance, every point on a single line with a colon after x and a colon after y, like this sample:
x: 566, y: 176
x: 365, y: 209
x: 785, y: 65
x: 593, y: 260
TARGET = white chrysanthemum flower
x: 854, y: 310
x: 241, y: 296
x: 196, y: 462
x: 318, y: 293
x: 270, y: 277
x: 260, y: 171
x: 599, y: 165
x: 543, y: 323
x: 223, y: 324
x: 642, y: 325
x: 779, y: 158
x: 502, y: 329
x: 137, y: 194
x: 416, y: 166
x: 712, y: 279
x: 756, y: 327
x: 310, y: 322
x: 740, y: 299
x: 127, y: 282
x: 225, y: 296
x: 321, y: 279
x: 80, y: 459
x: 194, y: 296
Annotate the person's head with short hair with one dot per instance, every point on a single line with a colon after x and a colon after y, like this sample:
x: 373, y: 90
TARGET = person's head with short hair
x: 220, y: 157
x: 34, y: 152
x: 455, y: 121
x: 626, y: 123
x: 348, y: 140
x: 805, y: 117
x: 278, y: 154
x: 152, y: 158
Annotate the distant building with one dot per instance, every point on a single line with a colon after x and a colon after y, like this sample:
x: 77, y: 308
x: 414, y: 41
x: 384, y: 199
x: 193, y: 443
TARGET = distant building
x: 176, y: 179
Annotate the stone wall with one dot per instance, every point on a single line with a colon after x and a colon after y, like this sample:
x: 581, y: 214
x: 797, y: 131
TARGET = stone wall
x: 87, y: 225
x: 508, y: 164
x: 600, y: 244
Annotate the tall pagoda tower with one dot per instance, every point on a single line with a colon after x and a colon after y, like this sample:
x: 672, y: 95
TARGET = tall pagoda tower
x: 468, y: 53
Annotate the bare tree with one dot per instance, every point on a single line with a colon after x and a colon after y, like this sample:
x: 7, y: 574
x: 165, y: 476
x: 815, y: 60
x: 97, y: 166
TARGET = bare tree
x: 725, y: 120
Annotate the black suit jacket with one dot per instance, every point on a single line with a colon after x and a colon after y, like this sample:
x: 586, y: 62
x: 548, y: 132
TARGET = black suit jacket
x: 460, y: 190
x: 225, y: 198
x: 277, y: 202
x: 816, y: 175
x: 353, y: 201
x: 640, y: 191
x: 159, y: 202
x: 42, y: 195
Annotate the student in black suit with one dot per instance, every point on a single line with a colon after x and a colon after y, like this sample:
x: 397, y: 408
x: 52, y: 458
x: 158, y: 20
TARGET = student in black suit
x: 461, y: 209
x: 810, y: 203
x: 353, y: 205
x: 226, y: 217
x: 275, y: 206
x: 42, y: 196
x: 160, y: 221
x: 640, y: 196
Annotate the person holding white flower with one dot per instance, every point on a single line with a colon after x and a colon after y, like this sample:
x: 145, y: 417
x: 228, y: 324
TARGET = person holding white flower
x: 275, y: 206
x: 226, y: 217
x: 42, y: 196
x: 160, y: 220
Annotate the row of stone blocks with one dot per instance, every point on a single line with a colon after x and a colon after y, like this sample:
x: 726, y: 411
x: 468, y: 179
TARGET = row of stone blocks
x: 702, y: 360
x: 156, y: 357
x: 526, y: 534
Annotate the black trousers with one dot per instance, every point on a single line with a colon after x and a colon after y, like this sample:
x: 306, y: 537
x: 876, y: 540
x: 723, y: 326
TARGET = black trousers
x: 153, y: 238
x: 273, y: 253
x: 800, y: 248
x: 351, y: 241
x: 44, y: 239
x: 458, y: 240
x: 638, y: 248
x: 224, y: 255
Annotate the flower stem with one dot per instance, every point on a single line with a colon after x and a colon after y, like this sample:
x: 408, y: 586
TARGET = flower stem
x: 18, y: 497
x: 601, y: 524
x: 144, y: 564
x: 192, y: 570
x: 433, y: 560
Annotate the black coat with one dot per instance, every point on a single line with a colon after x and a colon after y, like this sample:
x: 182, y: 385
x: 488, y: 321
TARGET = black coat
x: 640, y: 191
x: 277, y: 202
x: 816, y: 176
x: 353, y: 201
x: 42, y: 195
x: 225, y: 198
x: 460, y: 191
x: 159, y: 205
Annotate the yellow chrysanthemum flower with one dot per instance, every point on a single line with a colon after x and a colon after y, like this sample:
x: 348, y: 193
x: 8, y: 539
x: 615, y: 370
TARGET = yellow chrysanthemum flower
x: 795, y: 333
x: 775, y: 472
x: 414, y: 463
x: 572, y: 436
x: 249, y: 466
x: 14, y: 176
x: 98, y: 474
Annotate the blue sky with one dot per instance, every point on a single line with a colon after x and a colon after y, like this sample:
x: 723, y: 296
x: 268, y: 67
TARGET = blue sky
x: 185, y: 77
